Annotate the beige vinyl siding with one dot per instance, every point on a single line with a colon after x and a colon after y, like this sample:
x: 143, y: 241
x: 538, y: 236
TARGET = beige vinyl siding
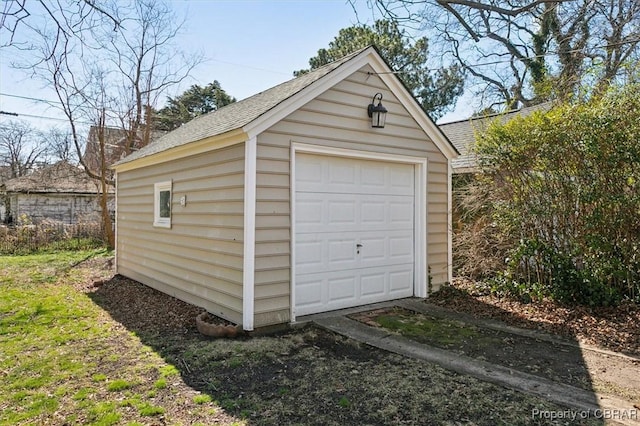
x: 337, y: 118
x: 200, y: 259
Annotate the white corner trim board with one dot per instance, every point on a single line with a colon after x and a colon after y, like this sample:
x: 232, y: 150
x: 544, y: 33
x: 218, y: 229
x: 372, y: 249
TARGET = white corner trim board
x: 248, y: 273
x: 420, y: 275
x: 115, y: 236
x: 449, y: 221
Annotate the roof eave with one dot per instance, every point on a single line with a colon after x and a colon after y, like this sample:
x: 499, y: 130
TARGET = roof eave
x: 222, y: 140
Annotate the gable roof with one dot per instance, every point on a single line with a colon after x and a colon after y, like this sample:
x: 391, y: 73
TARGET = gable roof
x: 463, y: 133
x: 256, y: 113
x: 57, y: 178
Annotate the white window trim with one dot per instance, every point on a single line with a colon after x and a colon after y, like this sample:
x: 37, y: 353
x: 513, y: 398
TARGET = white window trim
x: 162, y: 222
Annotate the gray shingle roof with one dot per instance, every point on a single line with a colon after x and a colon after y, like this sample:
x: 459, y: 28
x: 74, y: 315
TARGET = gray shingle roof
x: 57, y: 178
x: 236, y: 115
x: 463, y: 134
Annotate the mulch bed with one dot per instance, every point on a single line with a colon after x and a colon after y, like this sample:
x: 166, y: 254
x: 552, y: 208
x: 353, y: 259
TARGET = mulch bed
x: 613, y: 328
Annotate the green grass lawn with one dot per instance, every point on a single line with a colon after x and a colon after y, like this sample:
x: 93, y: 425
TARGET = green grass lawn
x: 81, y: 347
x: 63, y: 361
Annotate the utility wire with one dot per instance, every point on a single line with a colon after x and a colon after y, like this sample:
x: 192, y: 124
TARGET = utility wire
x: 42, y: 117
x: 29, y: 98
x: 248, y: 67
x: 52, y: 103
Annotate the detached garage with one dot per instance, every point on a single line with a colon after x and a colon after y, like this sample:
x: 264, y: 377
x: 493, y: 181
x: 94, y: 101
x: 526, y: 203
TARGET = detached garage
x: 293, y: 201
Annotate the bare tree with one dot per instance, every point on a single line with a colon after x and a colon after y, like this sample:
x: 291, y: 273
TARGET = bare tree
x: 112, y: 77
x: 20, y: 150
x: 69, y: 19
x: 529, y: 51
x: 59, y: 145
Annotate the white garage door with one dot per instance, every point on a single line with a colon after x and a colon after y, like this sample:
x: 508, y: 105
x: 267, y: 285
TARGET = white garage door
x: 354, y: 225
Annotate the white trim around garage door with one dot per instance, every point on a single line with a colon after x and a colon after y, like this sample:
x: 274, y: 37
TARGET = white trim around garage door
x: 420, y: 206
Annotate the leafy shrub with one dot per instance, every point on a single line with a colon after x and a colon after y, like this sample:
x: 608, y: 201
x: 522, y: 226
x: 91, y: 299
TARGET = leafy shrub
x: 558, y: 203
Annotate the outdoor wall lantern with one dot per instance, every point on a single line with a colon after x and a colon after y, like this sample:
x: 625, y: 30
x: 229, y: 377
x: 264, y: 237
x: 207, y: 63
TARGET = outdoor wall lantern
x: 378, y: 113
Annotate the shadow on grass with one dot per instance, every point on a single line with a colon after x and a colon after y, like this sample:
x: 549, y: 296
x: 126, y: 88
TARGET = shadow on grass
x: 311, y: 376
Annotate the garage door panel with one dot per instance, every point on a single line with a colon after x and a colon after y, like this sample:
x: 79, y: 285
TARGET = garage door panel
x: 342, y: 212
x: 373, y: 213
x: 402, y: 179
x: 309, y: 253
x: 309, y: 294
x: 341, y: 252
x: 309, y: 212
x: 317, y: 252
x: 324, y: 212
x: 398, y: 283
x: 371, y: 176
x: 401, y: 213
x: 341, y: 173
x: 401, y: 283
x: 373, y: 284
x: 315, y: 173
x: 342, y: 289
x: 374, y: 249
x: 354, y: 232
x: 308, y: 173
x: 400, y: 247
x: 394, y: 248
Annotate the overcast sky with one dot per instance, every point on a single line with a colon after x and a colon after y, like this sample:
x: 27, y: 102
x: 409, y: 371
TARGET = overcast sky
x: 249, y: 46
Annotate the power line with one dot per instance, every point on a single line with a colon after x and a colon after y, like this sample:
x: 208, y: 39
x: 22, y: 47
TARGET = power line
x: 250, y: 67
x: 29, y: 98
x: 52, y: 103
x: 41, y: 117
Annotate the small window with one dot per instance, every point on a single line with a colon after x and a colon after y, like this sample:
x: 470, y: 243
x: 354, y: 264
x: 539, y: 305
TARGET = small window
x: 162, y: 205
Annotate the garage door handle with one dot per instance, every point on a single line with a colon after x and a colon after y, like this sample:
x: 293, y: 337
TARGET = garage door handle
x: 358, y: 245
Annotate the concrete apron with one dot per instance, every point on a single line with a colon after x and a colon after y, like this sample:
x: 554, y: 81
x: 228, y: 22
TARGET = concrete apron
x: 568, y: 396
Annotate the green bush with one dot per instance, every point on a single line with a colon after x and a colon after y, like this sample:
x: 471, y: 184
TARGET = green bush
x: 559, y: 198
